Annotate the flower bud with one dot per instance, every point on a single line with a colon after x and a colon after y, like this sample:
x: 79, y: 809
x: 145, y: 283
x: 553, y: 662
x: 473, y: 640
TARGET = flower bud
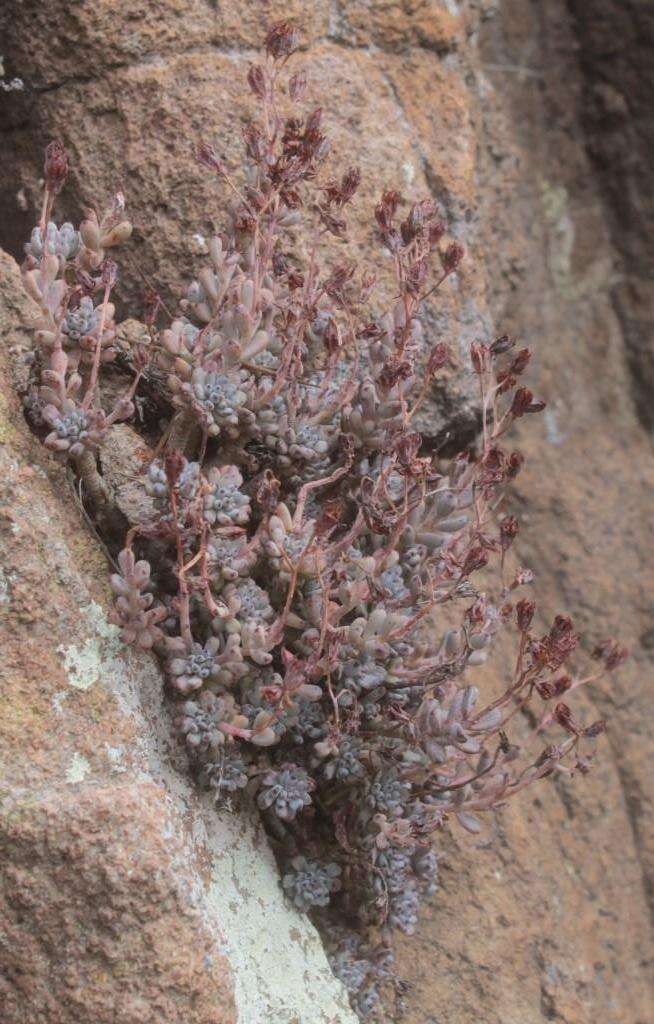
x: 611, y: 653
x: 439, y: 356
x: 563, y: 715
x: 386, y: 209
x: 503, y: 344
x: 520, y: 362
x: 524, y: 402
x: 508, y: 532
x: 257, y: 81
x: 561, y: 685
x: 452, y: 257
x: 478, y: 353
x: 282, y: 39
x: 524, y: 613
x: 596, y: 729
x: 55, y: 167
x: 207, y: 155
x: 109, y: 274
x: 516, y: 460
x: 297, y: 86
x: 477, y: 558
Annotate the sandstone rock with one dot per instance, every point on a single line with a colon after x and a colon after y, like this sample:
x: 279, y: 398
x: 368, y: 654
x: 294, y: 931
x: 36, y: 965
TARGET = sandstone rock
x: 435, y: 24
x: 83, y: 40
x: 615, y: 52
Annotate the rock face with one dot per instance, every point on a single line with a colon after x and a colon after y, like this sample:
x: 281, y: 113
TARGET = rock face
x: 537, y: 147
x: 615, y: 50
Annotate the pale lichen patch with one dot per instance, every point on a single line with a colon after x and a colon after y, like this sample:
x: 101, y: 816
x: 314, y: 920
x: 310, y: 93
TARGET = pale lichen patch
x: 81, y: 664
x: 281, y: 972
x: 5, y: 587
x: 78, y: 769
x: 86, y: 663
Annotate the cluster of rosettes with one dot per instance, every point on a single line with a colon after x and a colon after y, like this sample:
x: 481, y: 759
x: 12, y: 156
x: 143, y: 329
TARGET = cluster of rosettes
x: 311, y: 676
x: 269, y: 708
x: 307, y: 569
x: 75, y: 330
x: 362, y: 969
x: 298, y: 632
x: 307, y: 678
x: 225, y: 370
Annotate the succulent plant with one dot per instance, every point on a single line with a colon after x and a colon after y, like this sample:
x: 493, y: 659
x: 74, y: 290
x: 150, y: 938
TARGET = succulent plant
x: 225, y: 504
x: 310, y: 884
x: 345, y: 760
x: 81, y: 321
x: 309, y: 572
x: 133, y: 607
x: 191, y: 665
x: 199, y: 722
x: 388, y: 793
x: 186, y: 486
x: 309, y: 723
x: 219, y: 400
x: 225, y: 776
x: 285, y: 791
x: 73, y: 429
x: 63, y: 242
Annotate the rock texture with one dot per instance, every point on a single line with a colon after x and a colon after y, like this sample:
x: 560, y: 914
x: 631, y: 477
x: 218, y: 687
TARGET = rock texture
x: 532, y: 128
x: 615, y: 51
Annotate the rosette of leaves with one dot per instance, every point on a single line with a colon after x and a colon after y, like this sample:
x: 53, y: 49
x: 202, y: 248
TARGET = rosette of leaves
x: 191, y: 664
x: 224, y: 504
x: 218, y: 399
x: 310, y: 884
x: 285, y: 791
x: 184, y: 495
x: 230, y: 556
x: 63, y: 242
x: 225, y: 775
x: 133, y: 607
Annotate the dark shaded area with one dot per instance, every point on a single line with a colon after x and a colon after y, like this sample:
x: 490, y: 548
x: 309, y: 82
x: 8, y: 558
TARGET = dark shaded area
x: 19, y: 129
x: 616, y: 48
